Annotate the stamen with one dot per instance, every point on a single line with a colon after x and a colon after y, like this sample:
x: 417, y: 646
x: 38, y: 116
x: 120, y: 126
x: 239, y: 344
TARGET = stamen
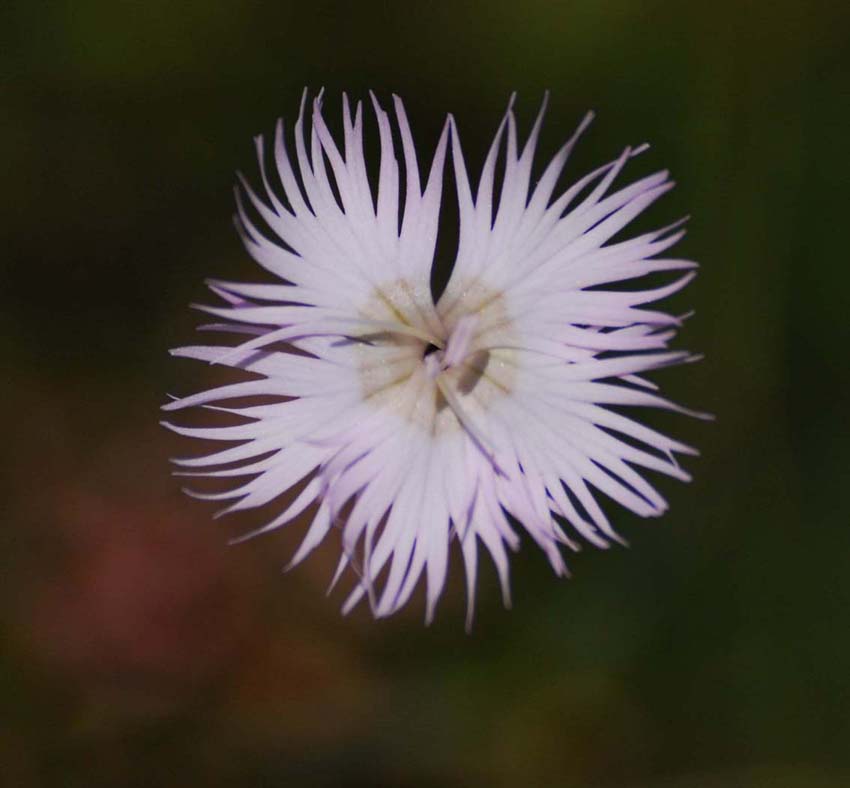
x: 458, y: 344
x: 344, y: 327
x: 463, y: 417
x: 400, y: 328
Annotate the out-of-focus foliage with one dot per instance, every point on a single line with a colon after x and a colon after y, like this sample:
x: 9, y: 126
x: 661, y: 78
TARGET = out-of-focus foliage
x: 137, y: 650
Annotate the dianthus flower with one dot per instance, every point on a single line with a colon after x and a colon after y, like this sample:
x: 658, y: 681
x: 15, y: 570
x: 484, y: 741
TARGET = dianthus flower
x: 410, y: 424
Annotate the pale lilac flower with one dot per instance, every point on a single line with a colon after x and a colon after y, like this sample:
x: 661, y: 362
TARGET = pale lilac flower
x: 411, y: 425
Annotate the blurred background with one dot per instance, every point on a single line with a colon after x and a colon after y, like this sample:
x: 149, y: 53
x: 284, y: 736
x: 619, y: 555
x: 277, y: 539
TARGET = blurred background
x: 137, y: 649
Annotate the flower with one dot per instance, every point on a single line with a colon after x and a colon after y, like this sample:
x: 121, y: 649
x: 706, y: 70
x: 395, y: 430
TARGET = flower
x: 410, y: 423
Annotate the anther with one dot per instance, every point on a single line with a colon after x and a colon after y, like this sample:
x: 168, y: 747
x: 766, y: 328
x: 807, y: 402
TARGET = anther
x: 457, y: 348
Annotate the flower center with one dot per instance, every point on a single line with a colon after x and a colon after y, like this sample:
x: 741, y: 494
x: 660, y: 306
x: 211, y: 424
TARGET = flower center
x: 456, y: 350
x: 435, y: 367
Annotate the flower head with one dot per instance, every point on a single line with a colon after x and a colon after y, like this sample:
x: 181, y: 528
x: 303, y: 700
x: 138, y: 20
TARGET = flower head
x: 411, y: 424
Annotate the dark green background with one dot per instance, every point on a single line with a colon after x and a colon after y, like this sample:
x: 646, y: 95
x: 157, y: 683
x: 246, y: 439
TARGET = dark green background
x: 137, y: 650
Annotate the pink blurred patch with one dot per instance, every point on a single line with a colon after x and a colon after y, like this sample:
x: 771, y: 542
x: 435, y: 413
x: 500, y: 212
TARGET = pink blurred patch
x: 137, y: 598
